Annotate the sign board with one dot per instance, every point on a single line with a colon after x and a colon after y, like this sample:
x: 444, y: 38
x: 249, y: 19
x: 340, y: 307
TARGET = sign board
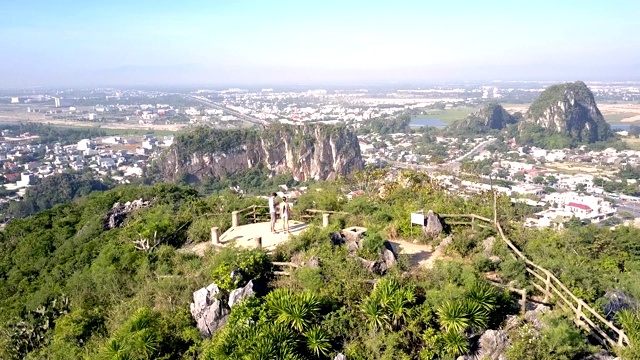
x: 417, y: 218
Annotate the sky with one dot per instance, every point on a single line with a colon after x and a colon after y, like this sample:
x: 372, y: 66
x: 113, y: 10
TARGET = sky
x: 242, y: 42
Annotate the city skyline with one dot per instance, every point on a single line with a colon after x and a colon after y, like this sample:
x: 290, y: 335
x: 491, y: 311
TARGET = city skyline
x: 212, y: 43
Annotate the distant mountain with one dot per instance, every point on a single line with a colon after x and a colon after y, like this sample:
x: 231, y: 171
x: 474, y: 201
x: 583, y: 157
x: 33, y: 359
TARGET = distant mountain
x: 571, y: 110
x: 490, y: 117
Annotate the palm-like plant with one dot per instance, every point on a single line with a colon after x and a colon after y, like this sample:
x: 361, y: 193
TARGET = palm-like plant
x: 455, y: 343
x: 453, y: 316
x: 485, y: 295
x: 399, y: 305
x: 295, y: 310
x: 476, y: 314
x: 375, y: 313
x: 318, y: 341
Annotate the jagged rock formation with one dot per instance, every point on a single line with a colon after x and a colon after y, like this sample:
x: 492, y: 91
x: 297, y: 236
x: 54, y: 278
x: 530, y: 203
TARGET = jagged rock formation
x: 307, y: 152
x: 569, y: 109
x: 119, y: 212
x: 209, y: 312
x: 489, y: 117
x: 492, y: 345
x: 433, y: 226
x: 238, y: 295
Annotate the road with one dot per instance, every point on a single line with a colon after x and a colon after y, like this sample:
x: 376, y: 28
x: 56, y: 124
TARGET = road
x: 247, y: 118
x: 629, y: 206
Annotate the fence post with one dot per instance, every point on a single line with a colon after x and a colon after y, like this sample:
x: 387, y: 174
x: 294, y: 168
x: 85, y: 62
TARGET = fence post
x: 523, y: 303
x: 254, y: 214
x: 547, y: 288
x: 235, y: 219
x: 325, y: 220
x: 215, y: 235
x: 257, y: 241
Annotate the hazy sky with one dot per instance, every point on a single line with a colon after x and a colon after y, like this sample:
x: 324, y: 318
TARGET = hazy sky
x: 86, y: 42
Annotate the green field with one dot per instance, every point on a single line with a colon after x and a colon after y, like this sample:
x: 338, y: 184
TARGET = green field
x: 632, y: 143
x: 447, y: 116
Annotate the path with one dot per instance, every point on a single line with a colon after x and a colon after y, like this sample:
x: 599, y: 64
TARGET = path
x: 242, y: 236
x: 423, y: 256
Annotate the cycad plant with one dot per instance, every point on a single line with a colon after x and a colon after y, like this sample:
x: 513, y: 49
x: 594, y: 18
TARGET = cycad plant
x: 318, y: 341
x: 294, y: 309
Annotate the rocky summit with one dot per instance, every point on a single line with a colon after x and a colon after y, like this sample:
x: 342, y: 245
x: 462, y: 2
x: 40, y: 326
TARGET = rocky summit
x: 490, y: 117
x: 569, y: 109
x: 318, y: 152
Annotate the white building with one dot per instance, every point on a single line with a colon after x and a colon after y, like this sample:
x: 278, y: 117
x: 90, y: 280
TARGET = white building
x: 26, y: 179
x: 85, y: 144
x: 15, y: 100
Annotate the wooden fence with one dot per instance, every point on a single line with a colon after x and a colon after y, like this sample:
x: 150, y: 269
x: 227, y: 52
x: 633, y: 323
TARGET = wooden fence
x: 549, y: 285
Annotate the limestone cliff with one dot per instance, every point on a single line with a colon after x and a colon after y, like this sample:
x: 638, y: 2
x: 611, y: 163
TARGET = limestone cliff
x: 489, y: 117
x: 307, y: 152
x: 569, y: 109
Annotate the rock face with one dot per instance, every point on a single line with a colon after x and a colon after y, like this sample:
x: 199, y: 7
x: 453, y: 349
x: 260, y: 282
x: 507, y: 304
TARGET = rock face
x: 209, y: 312
x: 616, y: 301
x: 307, y: 152
x: 490, y: 117
x: 492, y: 345
x: 569, y: 109
x: 243, y: 293
x: 119, y: 212
x: 433, y: 226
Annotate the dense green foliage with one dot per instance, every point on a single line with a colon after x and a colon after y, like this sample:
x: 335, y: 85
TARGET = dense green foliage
x: 69, y: 288
x: 54, y: 190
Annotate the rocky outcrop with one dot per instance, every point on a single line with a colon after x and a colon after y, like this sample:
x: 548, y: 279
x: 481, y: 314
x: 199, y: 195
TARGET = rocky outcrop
x: 569, y: 109
x: 238, y: 295
x: 210, y: 312
x: 340, y: 356
x: 489, y: 117
x: 119, y: 212
x: 492, y: 345
x: 614, y: 301
x: 307, y: 152
x: 433, y: 226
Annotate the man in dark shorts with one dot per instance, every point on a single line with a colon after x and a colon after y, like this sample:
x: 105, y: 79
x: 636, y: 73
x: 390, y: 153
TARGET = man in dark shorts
x: 273, y: 211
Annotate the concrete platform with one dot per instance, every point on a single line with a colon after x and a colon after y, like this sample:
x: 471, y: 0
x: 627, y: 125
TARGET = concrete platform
x: 242, y: 236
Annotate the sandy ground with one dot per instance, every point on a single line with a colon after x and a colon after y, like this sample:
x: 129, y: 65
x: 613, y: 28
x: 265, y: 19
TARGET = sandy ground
x: 421, y: 255
x: 626, y: 113
x: 171, y: 127
x: 578, y: 168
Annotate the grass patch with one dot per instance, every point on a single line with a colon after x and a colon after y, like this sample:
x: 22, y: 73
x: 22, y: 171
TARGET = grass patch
x: 447, y: 116
x: 632, y: 143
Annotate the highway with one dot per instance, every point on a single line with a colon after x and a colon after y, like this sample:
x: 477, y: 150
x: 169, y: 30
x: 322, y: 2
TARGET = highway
x: 241, y: 116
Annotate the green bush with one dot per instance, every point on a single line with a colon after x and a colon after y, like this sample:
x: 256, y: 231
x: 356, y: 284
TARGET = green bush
x: 253, y: 264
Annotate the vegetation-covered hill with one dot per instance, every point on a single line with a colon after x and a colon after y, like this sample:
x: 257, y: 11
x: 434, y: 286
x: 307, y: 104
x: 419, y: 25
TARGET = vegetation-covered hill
x: 72, y: 287
x: 490, y: 117
x: 307, y: 152
x: 570, y: 110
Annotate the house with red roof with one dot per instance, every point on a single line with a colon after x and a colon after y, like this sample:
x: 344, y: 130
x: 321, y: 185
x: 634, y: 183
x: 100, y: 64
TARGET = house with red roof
x: 578, y: 209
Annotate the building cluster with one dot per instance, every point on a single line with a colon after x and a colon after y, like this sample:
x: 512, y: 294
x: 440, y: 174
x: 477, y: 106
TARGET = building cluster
x: 119, y: 158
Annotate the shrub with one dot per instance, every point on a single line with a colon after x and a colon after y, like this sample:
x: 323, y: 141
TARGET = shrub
x: 372, y: 244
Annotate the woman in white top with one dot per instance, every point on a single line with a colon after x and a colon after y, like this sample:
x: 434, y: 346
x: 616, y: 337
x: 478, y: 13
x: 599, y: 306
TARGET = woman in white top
x: 285, y: 213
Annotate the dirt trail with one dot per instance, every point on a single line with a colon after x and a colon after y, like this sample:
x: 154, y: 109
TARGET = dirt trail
x: 422, y: 255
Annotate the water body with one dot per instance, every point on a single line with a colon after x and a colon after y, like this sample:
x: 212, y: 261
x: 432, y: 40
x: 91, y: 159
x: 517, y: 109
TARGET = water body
x: 621, y: 127
x: 420, y: 122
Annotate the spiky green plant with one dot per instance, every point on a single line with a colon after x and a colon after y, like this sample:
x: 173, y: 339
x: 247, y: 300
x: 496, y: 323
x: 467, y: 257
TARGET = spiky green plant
x: 318, y: 341
x: 453, y: 316
x: 374, y: 313
x: 485, y: 295
x: 455, y: 343
x: 477, y: 315
x: 294, y: 309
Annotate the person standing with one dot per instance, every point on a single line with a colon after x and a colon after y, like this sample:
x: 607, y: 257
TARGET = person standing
x: 273, y: 211
x: 285, y: 212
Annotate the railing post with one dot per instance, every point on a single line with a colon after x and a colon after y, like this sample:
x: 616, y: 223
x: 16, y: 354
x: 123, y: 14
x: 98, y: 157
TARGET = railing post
x: 547, y: 288
x: 325, y: 219
x: 258, y: 242
x: 215, y: 235
x: 523, y: 303
x: 254, y: 214
x: 235, y: 219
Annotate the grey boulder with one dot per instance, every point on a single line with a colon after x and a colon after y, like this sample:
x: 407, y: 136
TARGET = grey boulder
x: 209, y: 312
